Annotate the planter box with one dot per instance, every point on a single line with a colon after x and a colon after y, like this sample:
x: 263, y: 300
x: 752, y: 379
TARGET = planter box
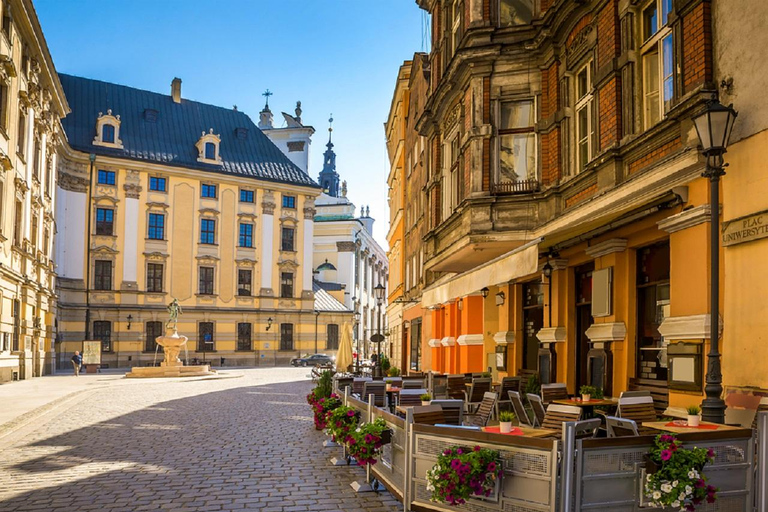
x: 651, y: 466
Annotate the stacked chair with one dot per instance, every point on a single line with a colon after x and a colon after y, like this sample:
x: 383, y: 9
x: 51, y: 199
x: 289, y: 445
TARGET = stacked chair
x: 538, y: 408
x: 557, y: 414
x: 507, y: 384
x: 455, y: 386
x: 482, y: 415
x: 620, y: 427
x: 379, y: 390
x: 453, y: 410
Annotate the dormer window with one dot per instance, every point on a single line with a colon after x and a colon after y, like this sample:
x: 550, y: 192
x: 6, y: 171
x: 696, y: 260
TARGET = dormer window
x: 208, y: 148
x: 108, y: 131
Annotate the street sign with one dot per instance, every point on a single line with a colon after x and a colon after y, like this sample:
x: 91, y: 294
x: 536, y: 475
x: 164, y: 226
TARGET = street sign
x: 377, y: 338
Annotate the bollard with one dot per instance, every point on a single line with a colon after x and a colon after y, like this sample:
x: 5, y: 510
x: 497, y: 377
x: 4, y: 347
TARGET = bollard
x: 566, y: 465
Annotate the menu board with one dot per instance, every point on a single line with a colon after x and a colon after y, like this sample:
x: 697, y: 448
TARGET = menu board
x: 92, y: 352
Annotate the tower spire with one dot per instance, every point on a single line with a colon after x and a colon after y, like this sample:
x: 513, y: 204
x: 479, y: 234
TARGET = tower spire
x: 265, y: 116
x: 329, y: 178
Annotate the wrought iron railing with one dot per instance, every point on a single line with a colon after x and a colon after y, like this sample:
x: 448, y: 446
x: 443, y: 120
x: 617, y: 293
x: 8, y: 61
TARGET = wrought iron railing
x: 517, y: 187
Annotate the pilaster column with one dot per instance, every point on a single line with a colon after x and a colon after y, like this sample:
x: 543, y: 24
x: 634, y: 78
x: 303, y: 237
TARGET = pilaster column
x: 267, y: 243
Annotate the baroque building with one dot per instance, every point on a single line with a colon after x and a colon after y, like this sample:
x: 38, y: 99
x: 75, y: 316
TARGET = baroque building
x: 32, y: 104
x: 565, y: 216
x: 161, y: 197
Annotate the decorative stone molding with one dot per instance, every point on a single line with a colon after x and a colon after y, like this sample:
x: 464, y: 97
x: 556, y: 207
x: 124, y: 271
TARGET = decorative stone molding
x: 284, y: 303
x: 685, y: 219
x: 504, y: 337
x: 155, y: 256
x: 108, y: 120
x: 692, y: 327
x: 284, y: 264
x: 470, y: 339
x: 157, y: 206
x: 268, y: 204
x: 246, y: 262
x: 448, y: 341
x: 209, y: 138
x: 434, y: 343
x: 208, y: 211
x: 291, y: 221
x: 309, y: 212
x: 132, y: 191
x: 552, y: 335
x: 207, y: 259
x: 614, y: 331
x: 452, y: 118
x: 247, y: 216
x: 607, y: 247
x: 345, y: 246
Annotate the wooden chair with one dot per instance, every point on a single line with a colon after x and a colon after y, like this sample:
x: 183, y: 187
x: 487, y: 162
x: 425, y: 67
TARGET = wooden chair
x: 455, y: 386
x: 453, y: 410
x: 525, y: 375
x: 639, y: 409
x: 343, y: 382
x: 410, y: 397
x: 538, y: 408
x: 507, y: 384
x: 439, y: 386
x: 413, y: 382
x: 587, y: 428
x: 474, y: 395
x: 620, y: 427
x: 519, y: 408
x: 556, y: 391
x: 428, y: 414
x: 483, y: 414
x: 659, y: 391
x: 357, y: 386
x: 378, y: 389
x: 556, y: 414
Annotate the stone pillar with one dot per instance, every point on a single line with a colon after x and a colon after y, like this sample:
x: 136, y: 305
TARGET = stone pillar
x: 131, y: 235
x: 267, y: 243
x: 309, y: 232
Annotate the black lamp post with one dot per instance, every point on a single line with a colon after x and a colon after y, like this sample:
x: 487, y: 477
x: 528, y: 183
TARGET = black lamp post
x: 357, y: 342
x: 317, y: 315
x: 378, y: 292
x: 713, y: 127
x: 547, y: 272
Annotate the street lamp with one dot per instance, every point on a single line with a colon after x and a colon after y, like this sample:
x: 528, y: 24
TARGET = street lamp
x: 484, y: 292
x: 378, y: 293
x: 357, y: 342
x: 317, y: 315
x: 713, y: 126
x: 547, y: 272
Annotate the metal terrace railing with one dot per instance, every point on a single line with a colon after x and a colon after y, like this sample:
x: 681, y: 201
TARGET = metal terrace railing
x: 517, y: 187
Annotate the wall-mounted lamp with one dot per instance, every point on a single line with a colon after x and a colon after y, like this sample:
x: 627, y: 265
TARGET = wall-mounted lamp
x: 484, y: 292
x: 547, y: 270
x: 460, y: 304
x: 269, y: 323
x: 500, y: 298
x: 130, y: 318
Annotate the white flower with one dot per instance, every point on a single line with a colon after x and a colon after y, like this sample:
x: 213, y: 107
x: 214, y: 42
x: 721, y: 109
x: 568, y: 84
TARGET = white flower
x: 657, y: 495
x: 674, y: 484
x: 648, y: 478
x: 675, y: 504
x: 665, y: 487
x: 681, y: 496
x: 688, y: 489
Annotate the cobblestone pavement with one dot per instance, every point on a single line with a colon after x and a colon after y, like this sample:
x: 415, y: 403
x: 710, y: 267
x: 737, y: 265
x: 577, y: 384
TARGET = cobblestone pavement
x: 241, y: 443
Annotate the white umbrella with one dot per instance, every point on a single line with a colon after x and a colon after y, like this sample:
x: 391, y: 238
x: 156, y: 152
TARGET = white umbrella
x: 344, y: 355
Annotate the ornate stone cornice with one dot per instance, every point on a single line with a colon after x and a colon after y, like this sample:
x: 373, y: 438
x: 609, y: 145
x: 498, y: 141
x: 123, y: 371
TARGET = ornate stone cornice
x: 504, y: 337
x: 685, y: 219
x: 691, y: 327
x: 132, y: 190
x: 470, y: 339
x: 552, y: 335
x: 72, y: 183
x: 607, y: 247
x: 309, y: 212
x: 345, y: 246
x: 448, y: 341
x: 614, y: 331
x: 155, y: 256
x: 434, y: 343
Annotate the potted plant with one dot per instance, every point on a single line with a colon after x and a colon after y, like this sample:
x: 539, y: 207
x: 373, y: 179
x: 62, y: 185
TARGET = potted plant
x: 426, y: 399
x: 486, y: 375
x: 365, y: 442
x: 505, y: 421
x: 461, y: 473
x: 393, y: 372
x: 587, y: 392
x: 340, y: 422
x: 693, y: 415
x: 674, y: 475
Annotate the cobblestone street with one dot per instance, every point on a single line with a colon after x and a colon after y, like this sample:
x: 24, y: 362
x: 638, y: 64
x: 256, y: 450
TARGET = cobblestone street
x: 240, y: 443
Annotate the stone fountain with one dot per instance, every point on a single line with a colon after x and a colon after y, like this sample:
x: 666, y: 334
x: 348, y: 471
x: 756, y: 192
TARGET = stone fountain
x: 172, y: 344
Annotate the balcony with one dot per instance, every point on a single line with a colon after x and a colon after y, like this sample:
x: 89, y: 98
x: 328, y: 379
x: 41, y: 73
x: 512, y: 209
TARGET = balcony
x: 516, y: 187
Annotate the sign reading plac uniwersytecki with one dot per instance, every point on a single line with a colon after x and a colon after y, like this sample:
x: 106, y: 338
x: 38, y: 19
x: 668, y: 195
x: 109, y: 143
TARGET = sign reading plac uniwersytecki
x: 745, y: 229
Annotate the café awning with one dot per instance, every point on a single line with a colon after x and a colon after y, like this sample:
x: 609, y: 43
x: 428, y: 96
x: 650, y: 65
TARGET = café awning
x: 520, y: 262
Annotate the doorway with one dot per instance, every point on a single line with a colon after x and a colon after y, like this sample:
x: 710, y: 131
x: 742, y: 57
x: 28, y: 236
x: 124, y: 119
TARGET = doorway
x: 652, y: 308
x: 533, y: 322
x: 583, y: 320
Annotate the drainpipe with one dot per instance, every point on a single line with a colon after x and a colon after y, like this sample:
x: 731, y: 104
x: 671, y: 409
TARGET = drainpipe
x: 92, y: 158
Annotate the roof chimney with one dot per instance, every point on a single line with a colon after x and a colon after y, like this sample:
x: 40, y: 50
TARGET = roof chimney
x: 176, y: 90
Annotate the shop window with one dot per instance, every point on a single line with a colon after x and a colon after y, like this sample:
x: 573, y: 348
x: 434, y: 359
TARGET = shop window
x: 415, y: 344
x: 653, y: 305
x: 102, y: 331
x: 205, y: 341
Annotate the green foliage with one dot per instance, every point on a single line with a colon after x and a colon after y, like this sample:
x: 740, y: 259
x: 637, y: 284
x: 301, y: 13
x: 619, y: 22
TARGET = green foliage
x: 486, y: 375
x: 533, y: 385
x: 385, y: 364
x: 693, y: 410
x: 324, y: 386
x: 426, y: 397
x: 341, y: 421
x: 588, y: 390
x: 506, y: 416
x: 461, y: 473
x: 365, y: 442
x: 393, y: 372
x: 678, y: 481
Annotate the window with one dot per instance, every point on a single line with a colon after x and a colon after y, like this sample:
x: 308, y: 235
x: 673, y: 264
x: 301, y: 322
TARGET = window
x: 246, y: 235
x: 46, y: 241
x: 289, y: 201
x: 4, y: 106
x: 102, y: 330
x: 207, y: 231
x: 332, y: 343
x: 286, y: 336
x: 156, y: 229
x: 415, y: 344
x: 210, y: 151
x: 658, y: 62
x: 515, y: 12
x: 105, y: 221
x: 7, y: 24
x: 17, y: 234
x: 244, y: 280
x: 48, y: 176
x: 153, y: 330
x: 105, y: 177
x: 157, y: 184
x: 103, y: 275
x: 455, y: 25
x: 108, y: 133
x: 36, y: 159
x: 286, y: 284
x: 208, y: 190
x: 155, y: 277
x: 286, y: 242
x: 34, y: 229
x: 206, y: 281
x: 584, y: 124
x: 517, y: 142
x: 205, y: 336
x: 21, y: 146
x: 244, y: 336
x: 246, y: 196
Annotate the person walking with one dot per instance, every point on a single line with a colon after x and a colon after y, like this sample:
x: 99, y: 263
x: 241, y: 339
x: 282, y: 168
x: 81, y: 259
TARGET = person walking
x: 77, y: 361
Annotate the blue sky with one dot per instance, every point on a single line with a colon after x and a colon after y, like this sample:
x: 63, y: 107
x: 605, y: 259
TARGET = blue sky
x: 335, y: 56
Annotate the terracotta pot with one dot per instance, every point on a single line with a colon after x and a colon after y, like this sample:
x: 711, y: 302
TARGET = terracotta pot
x: 693, y: 420
x: 505, y: 427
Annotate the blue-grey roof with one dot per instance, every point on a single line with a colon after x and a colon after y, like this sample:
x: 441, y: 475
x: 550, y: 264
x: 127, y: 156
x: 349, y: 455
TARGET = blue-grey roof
x: 324, y: 301
x: 171, y: 139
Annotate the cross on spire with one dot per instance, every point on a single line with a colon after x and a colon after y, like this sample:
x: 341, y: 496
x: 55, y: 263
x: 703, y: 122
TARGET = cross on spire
x: 267, y: 94
x: 330, y: 127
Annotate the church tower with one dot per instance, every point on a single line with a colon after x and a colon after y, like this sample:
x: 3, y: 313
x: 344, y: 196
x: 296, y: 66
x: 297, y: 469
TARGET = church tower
x: 329, y: 178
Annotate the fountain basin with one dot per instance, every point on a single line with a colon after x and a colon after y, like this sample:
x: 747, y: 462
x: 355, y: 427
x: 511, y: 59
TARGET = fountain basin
x: 171, y: 366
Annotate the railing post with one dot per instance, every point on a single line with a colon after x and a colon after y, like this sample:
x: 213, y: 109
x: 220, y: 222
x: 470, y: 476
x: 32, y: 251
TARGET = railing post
x: 762, y: 461
x: 566, y: 467
x: 366, y: 485
x: 408, y: 470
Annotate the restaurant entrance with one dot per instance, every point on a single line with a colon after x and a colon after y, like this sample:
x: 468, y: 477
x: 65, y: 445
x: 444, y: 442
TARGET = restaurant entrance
x: 583, y: 320
x: 533, y: 322
x: 652, y: 308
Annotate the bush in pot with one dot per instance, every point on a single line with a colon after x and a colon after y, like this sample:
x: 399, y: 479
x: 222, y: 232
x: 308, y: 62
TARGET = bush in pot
x: 587, y: 392
x: 340, y: 422
x: 365, y: 442
x: 693, y: 415
x: 426, y: 398
x: 505, y: 421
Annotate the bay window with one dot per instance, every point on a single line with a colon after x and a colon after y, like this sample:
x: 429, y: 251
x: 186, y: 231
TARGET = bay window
x: 658, y: 61
x: 517, y: 141
x: 515, y: 12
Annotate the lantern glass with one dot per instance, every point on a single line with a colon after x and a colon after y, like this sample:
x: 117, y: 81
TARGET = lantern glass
x: 713, y: 126
x: 378, y: 291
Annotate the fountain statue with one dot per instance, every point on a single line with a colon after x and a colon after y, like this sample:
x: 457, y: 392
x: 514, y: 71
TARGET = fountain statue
x: 171, y: 366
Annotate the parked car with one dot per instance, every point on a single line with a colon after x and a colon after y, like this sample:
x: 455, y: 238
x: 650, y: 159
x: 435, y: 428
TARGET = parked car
x: 313, y: 360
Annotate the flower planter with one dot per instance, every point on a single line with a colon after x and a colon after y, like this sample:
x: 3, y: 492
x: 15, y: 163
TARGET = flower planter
x: 505, y: 427
x: 586, y: 398
x: 651, y: 466
x: 386, y: 436
x: 426, y: 402
x: 693, y: 420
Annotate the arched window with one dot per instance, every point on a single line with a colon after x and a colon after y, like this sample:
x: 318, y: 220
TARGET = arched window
x: 108, y: 133
x: 210, y: 151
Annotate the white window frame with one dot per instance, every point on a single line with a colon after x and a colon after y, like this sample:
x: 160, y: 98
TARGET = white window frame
x: 497, y: 144
x: 655, y: 43
x: 585, y: 102
x: 455, y: 11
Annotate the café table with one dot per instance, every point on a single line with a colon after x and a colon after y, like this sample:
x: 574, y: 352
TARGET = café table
x: 522, y: 431
x: 588, y: 407
x: 681, y: 426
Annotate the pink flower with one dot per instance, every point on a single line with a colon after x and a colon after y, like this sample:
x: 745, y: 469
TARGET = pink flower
x: 477, y: 448
x: 666, y: 454
x: 492, y: 466
x: 711, y: 453
x: 350, y: 413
